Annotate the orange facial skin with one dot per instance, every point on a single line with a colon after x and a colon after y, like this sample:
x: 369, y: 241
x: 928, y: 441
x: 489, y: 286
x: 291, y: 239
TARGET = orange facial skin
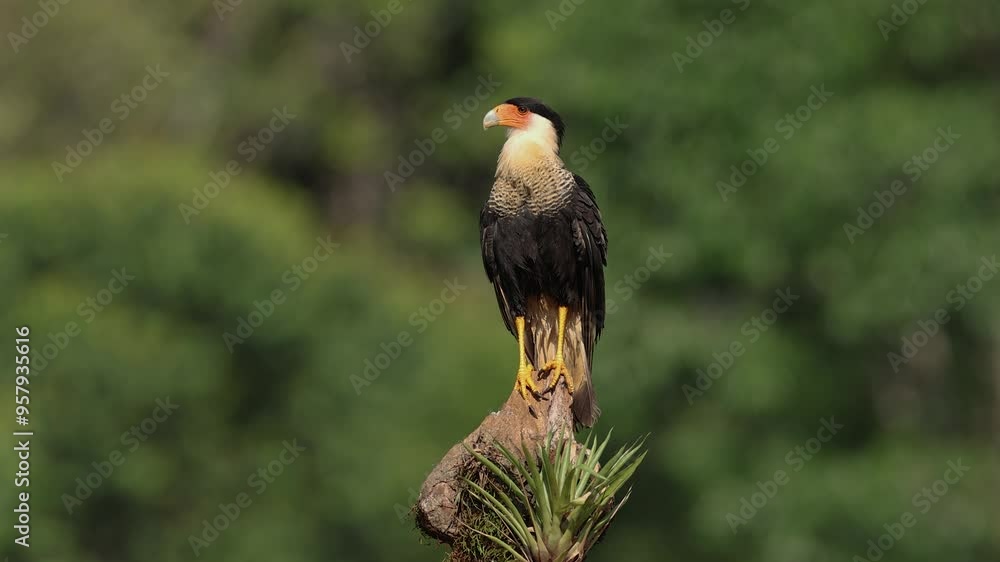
x: 507, y: 115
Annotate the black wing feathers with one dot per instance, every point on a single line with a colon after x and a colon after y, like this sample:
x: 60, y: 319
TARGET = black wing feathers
x: 487, y: 237
x: 591, y: 242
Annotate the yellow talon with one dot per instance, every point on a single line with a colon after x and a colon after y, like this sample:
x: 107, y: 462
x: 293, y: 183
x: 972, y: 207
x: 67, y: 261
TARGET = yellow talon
x: 557, y: 367
x: 525, y: 382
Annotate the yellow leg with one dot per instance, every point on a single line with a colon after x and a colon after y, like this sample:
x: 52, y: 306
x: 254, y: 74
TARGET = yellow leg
x: 557, y: 367
x: 525, y: 382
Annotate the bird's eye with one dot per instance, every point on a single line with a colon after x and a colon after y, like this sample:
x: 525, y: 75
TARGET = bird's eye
x: 522, y: 110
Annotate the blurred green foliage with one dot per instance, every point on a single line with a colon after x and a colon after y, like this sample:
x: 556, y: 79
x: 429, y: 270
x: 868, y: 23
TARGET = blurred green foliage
x: 405, y: 252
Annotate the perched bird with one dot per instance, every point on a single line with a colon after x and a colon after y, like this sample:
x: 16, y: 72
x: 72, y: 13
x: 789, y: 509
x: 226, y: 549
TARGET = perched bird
x: 544, y: 249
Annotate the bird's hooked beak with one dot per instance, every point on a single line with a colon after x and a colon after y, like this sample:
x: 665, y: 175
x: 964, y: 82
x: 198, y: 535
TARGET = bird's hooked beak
x: 505, y: 115
x: 491, y: 119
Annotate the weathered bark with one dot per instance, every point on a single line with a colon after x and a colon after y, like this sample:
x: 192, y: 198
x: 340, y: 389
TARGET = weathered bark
x: 518, y: 422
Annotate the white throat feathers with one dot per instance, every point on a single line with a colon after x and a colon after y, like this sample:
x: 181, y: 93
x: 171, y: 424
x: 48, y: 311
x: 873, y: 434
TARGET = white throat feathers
x: 530, y: 147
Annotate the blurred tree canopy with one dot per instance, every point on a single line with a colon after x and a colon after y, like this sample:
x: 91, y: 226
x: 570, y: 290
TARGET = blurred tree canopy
x: 236, y: 158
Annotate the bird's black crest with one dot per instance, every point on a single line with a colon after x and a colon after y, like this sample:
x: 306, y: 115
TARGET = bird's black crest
x: 536, y: 106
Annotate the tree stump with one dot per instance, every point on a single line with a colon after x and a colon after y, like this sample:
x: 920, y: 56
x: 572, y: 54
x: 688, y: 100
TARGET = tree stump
x: 519, y: 422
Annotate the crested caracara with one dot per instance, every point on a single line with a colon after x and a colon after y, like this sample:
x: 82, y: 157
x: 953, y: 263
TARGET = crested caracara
x: 544, y: 249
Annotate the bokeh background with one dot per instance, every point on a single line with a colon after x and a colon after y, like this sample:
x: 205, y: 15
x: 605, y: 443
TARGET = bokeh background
x: 306, y: 177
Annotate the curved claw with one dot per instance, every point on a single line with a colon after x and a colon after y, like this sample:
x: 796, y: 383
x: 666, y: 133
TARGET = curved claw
x: 557, y: 368
x: 525, y: 382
